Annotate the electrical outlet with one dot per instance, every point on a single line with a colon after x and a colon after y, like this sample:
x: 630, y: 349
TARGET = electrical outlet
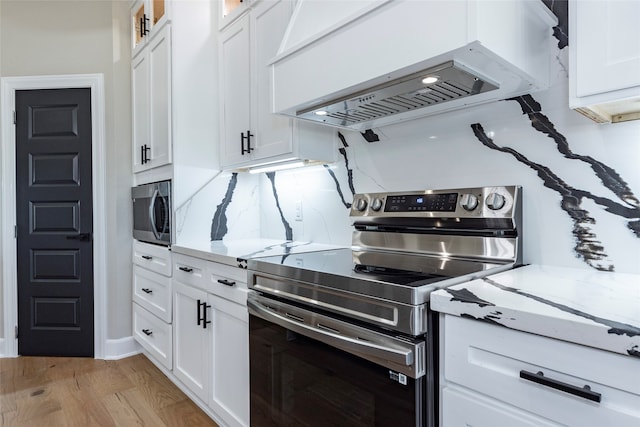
x: 299, y: 210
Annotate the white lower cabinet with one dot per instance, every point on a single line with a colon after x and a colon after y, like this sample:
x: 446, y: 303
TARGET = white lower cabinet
x: 491, y: 375
x: 211, y: 336
x: 152, y: 301
x: 192, y: 338
x: 153, y: 334
x: 230, y: 362
x: 461, y: 407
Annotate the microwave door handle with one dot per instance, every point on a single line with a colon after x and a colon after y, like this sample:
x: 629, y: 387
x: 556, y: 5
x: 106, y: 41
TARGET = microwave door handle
x: 152, y: 214
x: 400, y: 356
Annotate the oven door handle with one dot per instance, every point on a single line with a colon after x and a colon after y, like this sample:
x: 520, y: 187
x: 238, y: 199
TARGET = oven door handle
x: 369, y: 350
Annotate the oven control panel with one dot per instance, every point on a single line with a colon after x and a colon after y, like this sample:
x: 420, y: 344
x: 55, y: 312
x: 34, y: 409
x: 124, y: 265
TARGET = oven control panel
x: 479, y: 202
x: 444, y: 202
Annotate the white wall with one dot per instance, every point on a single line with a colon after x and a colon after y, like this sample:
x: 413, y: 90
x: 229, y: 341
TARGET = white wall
x: 83, y: 37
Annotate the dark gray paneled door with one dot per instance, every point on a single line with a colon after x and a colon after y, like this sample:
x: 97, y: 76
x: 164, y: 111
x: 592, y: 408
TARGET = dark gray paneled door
x: 54, y: 222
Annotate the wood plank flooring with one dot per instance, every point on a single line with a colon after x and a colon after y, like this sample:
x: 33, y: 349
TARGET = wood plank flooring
x: 66, y: 391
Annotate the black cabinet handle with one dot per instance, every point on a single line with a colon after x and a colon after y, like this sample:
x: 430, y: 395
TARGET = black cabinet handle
x: 248, y: 150
x: 144, y: 154
x: 539, y: 378
x: 147, y: 290
x: 204, y: 315
x: 185, y: 269
x: 83, y: 237
x: 226, y: 282
x: 143, y: 25
x: 198, y: 314
x: 202, y: 318
x: 147, y: 332
x: 147, y: 257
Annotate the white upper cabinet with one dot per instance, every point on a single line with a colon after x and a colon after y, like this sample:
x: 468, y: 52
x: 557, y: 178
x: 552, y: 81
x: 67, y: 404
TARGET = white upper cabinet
x: 604, y: 47
x: 250, y: 133
x: 151, y: 99
x: 147, y: 16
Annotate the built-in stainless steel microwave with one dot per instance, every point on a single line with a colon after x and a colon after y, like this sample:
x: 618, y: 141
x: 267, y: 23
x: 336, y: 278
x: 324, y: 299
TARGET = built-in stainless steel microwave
x: 152, y: 212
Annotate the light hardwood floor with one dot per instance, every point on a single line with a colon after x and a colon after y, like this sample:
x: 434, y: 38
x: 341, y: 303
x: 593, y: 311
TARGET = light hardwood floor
x: 65, y: 391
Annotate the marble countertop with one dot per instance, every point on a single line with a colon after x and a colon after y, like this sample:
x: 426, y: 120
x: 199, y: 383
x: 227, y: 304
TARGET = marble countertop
x: 588, y: 307
x: 237, y: 252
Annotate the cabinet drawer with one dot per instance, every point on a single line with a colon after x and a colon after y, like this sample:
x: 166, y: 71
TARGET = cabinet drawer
x: 463, y: 408
x: 227, y: 282
x: 154, y: 335
x: 189, y: 270
x: 152, y: 257
x: 153, y: 292
x: 502, y: 363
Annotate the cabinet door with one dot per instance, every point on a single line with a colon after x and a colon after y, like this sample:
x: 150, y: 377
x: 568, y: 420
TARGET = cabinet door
x: 140, y: 107
x: 608, y: 45
x: 235, y: 91
x: 273, y: 133
x: 192, y: 341
x: 230, y: 386
x: 160, y: 97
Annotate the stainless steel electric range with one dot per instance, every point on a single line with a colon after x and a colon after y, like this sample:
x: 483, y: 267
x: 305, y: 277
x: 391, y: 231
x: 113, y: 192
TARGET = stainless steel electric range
x: 345, y: 337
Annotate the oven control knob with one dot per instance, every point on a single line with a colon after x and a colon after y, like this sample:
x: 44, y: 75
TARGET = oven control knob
x: 361, y: 205
x: 376, y: 205
x: 468, y: 202
x: 495, y: 201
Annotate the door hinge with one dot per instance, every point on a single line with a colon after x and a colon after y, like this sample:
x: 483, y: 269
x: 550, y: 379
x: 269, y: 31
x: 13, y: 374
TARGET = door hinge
x: 16, y: 331
x: 14, y: 117
x: 15, y: 231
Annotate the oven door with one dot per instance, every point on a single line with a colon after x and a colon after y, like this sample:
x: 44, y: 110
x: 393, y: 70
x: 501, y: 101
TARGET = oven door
x: 309, y: 369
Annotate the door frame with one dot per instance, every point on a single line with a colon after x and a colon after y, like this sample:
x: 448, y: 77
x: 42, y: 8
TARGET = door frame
x: 8, y: 201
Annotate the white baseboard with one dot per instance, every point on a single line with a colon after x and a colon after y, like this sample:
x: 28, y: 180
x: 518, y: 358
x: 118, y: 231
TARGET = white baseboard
x: 121, y: 348
x: 2, y: 351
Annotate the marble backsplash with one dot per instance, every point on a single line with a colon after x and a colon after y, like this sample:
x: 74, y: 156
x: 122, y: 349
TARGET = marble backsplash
x: 581, y: 180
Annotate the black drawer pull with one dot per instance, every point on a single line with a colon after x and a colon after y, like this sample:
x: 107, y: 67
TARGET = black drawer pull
x: 226, y: 282
x: 147, y: 332
x: 147, y: 257
x: 147, y: 290
x: 186, y: 269
x: 539, y: 378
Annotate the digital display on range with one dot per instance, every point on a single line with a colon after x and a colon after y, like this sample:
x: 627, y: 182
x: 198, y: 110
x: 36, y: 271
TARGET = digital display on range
x: 422, y: 203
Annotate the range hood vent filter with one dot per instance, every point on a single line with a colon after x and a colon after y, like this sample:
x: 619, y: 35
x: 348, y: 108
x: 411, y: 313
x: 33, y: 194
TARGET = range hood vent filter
x: 401, y: 95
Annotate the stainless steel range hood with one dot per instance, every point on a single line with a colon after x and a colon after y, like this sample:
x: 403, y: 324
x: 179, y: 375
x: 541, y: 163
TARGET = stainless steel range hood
x: 362, y: 64
x: 451, y: 82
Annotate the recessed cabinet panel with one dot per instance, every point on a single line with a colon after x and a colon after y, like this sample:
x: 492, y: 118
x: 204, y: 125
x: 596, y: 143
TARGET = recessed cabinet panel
x: 273, y: 132
x: 154, y: 335
x: 152, y: 257
x: 236, y: 94
x: 607, y: 59
x: 151, y: 98
x: 140, y: 108
x: 160, y: 97
x: 192, y: 338
x: 153, y: 292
